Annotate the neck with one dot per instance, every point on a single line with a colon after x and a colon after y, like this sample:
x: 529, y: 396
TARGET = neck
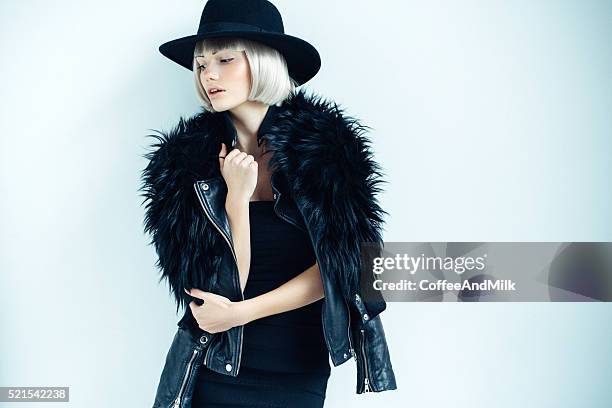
x: 247, y: 118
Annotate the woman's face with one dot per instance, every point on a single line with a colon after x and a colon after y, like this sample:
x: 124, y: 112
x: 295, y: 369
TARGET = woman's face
x: 228, y: 70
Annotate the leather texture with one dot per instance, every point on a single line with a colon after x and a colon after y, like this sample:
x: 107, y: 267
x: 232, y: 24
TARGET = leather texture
x: 325, y: 182
x: 183, y: 361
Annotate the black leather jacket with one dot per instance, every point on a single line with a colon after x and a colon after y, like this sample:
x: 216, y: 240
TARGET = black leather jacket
x: 324, y: 182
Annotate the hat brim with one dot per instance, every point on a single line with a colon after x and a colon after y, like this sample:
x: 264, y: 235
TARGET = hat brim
x: 303, y: 60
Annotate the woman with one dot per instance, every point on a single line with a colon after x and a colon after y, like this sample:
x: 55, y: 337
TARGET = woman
x: 257, y: 207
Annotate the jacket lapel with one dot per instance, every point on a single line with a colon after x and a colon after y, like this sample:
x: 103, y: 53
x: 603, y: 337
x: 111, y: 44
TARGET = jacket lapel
x: 320, y: 159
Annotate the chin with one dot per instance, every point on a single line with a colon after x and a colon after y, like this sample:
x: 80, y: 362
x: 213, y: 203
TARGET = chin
x: 221, y: 106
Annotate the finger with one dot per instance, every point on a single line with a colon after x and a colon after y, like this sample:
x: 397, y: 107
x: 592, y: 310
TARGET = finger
x: 238, y: 157
x: 231, y: 154
x: 188, y: 291
x: 222, y: 154
x: 200, y: 294
x: 247, y: 161
x: 213, y: 296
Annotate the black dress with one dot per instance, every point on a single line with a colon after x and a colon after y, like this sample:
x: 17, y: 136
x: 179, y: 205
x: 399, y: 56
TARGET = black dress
x: 285, y: 361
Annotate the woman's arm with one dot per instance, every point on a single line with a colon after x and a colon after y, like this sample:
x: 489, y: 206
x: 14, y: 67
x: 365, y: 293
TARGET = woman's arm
x: 219, y: 314
x: 300, y: 291
x: 238, y: 216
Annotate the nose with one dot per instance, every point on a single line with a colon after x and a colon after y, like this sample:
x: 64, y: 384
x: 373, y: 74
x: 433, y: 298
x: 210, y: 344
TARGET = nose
x: 210, y: 74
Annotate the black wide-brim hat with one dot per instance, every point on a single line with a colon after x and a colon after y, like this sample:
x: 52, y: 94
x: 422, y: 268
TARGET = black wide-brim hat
x: 257, y: 20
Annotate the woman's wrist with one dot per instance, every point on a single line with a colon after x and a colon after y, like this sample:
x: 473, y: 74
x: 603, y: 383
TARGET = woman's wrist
x: 236, y: 201
x: 246, y: 310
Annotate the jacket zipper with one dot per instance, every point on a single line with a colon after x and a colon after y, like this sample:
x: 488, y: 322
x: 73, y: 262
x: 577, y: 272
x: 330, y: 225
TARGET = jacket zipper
x: 348, y: 332
x: 177, y: 401
x: 213, y: 223
x: 235, y: 260
x: 206, y: 355
x: 366, y: 382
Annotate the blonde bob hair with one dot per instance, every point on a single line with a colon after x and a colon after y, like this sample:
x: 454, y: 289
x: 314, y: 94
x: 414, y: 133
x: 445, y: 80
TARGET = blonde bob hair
x: 271, y: 83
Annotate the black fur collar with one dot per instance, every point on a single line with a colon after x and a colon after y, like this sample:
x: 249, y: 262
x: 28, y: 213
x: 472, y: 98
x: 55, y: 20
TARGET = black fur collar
x: 323, y: 155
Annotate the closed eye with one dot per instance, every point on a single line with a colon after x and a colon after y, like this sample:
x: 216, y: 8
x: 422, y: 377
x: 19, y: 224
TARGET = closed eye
x: 222, y: 60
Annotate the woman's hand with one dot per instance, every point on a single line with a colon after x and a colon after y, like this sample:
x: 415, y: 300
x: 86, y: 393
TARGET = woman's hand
x: 240, y: 173
x: 218, y: 313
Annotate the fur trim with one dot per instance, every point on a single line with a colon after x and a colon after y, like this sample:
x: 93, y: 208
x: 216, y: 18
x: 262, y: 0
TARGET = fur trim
x: 327, y: 161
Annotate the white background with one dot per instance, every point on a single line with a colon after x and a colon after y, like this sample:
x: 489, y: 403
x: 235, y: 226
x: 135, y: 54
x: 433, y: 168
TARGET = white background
x: 490, y: 118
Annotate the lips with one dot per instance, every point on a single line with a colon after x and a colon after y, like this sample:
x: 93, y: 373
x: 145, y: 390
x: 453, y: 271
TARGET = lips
x: 214, y: 91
